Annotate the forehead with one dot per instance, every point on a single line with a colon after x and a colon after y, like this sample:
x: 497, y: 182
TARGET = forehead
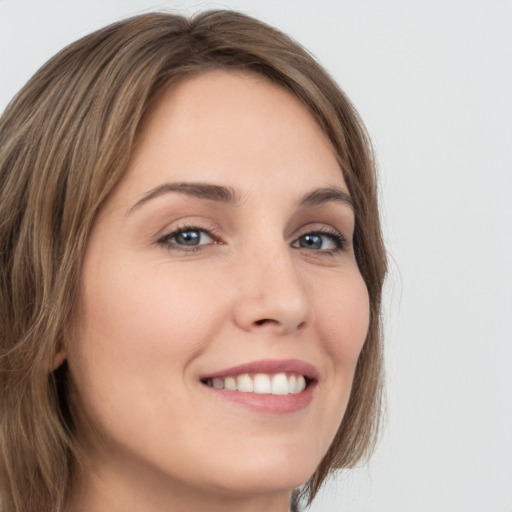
x: 232, y: 126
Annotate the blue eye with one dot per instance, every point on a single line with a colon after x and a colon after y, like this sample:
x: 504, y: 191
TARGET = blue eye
x: 187, y: 237
x: 320, y: 241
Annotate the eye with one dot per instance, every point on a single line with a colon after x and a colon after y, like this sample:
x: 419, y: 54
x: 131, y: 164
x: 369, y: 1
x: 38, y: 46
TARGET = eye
x: 321, y: 241
x: 187, y: 238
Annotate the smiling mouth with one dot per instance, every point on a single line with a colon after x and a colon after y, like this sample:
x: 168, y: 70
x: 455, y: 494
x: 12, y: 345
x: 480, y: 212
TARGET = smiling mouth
x: 261, y: 383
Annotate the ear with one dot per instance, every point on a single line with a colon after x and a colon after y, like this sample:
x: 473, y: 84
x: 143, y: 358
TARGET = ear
x: 58, y: 359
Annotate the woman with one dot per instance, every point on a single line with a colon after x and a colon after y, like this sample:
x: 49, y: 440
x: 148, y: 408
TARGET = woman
x: 192, y: 268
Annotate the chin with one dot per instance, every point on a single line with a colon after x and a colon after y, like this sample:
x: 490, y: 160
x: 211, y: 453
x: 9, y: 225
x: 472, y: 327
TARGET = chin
x: 264, y: 482
x: 267, y: 473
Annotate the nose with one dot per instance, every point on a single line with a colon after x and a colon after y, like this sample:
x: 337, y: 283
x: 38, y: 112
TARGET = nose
x: 270, y: 293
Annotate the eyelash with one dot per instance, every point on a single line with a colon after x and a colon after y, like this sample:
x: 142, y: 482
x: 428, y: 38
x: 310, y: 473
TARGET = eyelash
x: 339, y: 241
x: 166, y: 242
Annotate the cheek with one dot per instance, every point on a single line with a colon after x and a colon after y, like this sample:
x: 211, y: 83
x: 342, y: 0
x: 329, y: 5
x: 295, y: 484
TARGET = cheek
x: 341, y: 319
x: 132, y: 345
x: 344, y: 321
x: 145, y: 315
x: 141, y: 325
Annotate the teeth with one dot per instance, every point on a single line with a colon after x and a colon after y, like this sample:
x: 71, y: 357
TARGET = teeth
x: 245, y: 384
x: 260, y: 383
x: 217, y: 383
x: 280, y: 384
x: 230, y: 383
x: 300, y: 384
x: 292, y: 383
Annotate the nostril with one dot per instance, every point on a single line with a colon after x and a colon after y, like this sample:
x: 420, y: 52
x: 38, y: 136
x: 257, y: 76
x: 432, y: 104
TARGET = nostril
x: 263, y: 321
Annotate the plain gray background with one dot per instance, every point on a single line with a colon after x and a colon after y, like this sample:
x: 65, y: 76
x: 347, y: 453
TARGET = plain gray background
x: 433, y: 82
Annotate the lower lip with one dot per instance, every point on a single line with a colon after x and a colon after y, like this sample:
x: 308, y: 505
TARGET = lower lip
x: 267, y: 404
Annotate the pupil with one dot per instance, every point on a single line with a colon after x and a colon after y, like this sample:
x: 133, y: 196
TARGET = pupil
x: 188, y: 238
x: 311, y: 241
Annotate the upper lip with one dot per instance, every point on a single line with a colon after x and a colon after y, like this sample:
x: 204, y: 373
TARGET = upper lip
x: 269, y: 366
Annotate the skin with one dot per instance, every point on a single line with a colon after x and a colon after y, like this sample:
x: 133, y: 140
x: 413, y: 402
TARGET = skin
x: 153, y: 315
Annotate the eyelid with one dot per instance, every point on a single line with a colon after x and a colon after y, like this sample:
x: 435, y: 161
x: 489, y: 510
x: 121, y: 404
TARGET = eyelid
x: 320, y: 227
x: 210, y: 230
x: 341, y: 241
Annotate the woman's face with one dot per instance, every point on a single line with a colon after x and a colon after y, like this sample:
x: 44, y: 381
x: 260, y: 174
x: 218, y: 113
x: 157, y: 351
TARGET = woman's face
x: 222, y: 259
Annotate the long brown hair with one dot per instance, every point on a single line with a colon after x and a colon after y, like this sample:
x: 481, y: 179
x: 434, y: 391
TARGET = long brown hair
x: 65, y: 141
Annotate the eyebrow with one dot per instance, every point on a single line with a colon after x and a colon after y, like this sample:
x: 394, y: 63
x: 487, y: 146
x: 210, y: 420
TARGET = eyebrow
x: 324, y: 195
x: 228, y: 195
x: 200, y: 190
